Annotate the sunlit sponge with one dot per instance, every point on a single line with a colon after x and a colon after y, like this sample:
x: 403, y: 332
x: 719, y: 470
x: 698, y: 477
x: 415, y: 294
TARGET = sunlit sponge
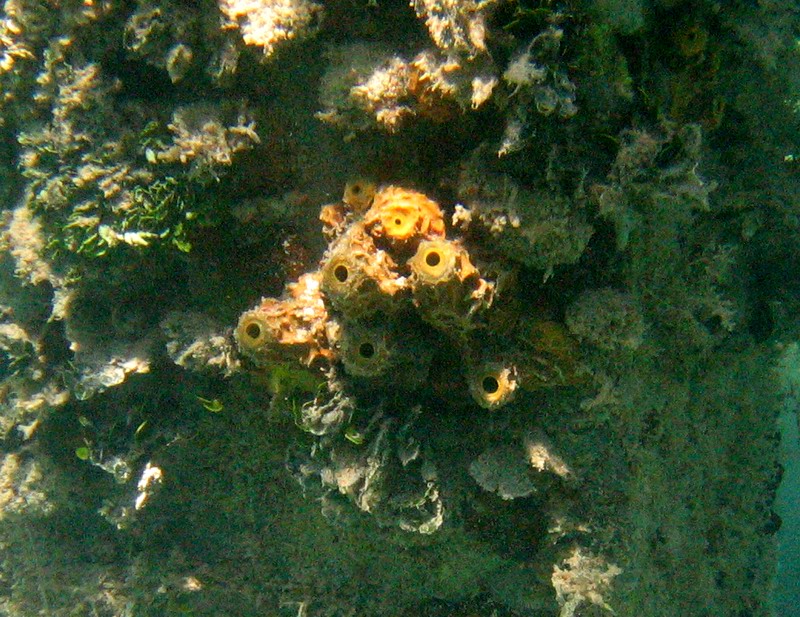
x: 356, y: 200
x: 492, y: 383
x: 400, y: 215
x: 334, y: 220
x: 255, y: 332
x: 290, y: 327
x: 446, y: 285
x: 359, y: 279
x: 440, y: 261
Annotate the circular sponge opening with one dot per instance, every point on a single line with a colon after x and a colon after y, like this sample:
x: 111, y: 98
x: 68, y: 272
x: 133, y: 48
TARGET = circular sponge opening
x: 253, y: 330
x: 493, y: 383
x: 366, y: 350
x: 341, y: 273
x: 433, y: 258
x: 490, y: 384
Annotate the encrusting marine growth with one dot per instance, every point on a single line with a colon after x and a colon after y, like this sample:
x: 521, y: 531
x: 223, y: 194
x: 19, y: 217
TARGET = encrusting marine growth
x: 602, y: 295
x: 389, y: 274
x: 394, y: 305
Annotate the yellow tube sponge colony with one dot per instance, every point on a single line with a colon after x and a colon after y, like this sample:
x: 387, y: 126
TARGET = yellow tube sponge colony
x: 390, y: 278
x: 492, y: 383
x: 400, y: 215
x: 358, y: 278
x: 293, y: 326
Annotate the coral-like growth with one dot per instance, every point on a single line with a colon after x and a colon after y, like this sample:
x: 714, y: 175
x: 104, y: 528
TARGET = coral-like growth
x: 394, y: 302
x: 292, y: 327
x: 455, y: 25
x: 14, y: 49
x: 357, y: 309
x: 364, y: 81
x: 583, y: 580
x: 517, y: 381
x: 606, y: 318
x: 651, y: 170
x: 361, y: 463
x: 366, y: 86
x: 539, y: 82
x: 170, y: 35
x: 201, y: 137
x: 195, y: 343
x: 358, y: 278
x: 542, y: 228
x: 101, y: 184
x: 504, y: 471
x: 268, y: 23
x: 24, y: 241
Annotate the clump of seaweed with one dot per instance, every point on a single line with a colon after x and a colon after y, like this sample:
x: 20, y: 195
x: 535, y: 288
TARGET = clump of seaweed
x: 99, y: 183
